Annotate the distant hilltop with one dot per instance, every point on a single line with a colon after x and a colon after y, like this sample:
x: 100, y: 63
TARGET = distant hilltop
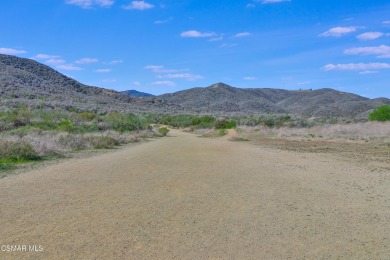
x: 25, y: 81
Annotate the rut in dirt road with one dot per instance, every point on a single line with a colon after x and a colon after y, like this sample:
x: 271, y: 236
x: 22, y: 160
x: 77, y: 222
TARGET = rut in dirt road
x: 187, y: 197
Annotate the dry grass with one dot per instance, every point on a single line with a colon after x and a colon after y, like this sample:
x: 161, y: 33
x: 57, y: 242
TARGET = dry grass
x: 363, y: 131
x: 366, y: 143
x: 49, y: 143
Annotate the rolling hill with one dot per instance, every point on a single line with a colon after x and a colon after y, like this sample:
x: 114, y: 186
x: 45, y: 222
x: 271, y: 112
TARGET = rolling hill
x: 223, y: 99
x: 25, y: 81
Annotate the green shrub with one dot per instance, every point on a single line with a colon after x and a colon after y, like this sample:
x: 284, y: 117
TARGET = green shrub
x: 381, y: 113
x: 163, y: 130
x: 221, y: 132
x: 88, y: 116
x: 225, y: 124
x: 17, y: 150
x: 102, y: 142
x: 187, y: 121
x: 124, y: 123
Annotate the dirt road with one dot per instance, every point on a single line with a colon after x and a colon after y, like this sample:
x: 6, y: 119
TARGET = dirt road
x: 185, y: 197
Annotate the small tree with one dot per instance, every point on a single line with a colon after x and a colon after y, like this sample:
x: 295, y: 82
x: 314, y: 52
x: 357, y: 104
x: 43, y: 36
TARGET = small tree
x: 381, y: 113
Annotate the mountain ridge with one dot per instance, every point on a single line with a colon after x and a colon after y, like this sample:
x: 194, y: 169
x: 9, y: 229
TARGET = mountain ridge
x: 25, y: 81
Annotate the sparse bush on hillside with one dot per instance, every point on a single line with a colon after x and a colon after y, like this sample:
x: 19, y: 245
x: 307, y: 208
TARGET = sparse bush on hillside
x: 17, y: 150
x: 225, y: 124
x: 381, y: 113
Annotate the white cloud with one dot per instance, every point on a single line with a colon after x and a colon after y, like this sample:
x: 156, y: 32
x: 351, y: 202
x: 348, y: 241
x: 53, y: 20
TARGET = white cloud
x: 163, y: 21
x: 155, y: 68
x: 356, y: 66
x: 109, y: 80
x: 368, y: 36
x: 138, y: 5
x: 242, y: 34
x: 113, y: 62
x: 366, y: 72
x: 68, y: 67
x: 250, y: 78
x: 273, y: 1
x: 103, y: 70
x: 216, y: 39
x: 137, y: 83
x: 46, y: 57
x: 187, y: 76
x: 382, y: 51
x: 11, y: 51
x: 90, y: 3
x: 304, y: 82
x: 55, y: 61
x: 160, y: 69
x: 104, y: 2
x: 164, y: 83
x: 228, y: 45
x: 196, y: 34
x: 386, y: 22
x: 339, y: 31
x: 87, y: 61
x: 250, y: 5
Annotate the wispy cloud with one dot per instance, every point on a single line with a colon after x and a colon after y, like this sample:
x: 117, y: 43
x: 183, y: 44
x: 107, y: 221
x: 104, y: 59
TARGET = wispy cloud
x: 55, y: 61
x: 250, y: 78
x: 90, y: 3
x: 164, y: 83
x: 368, y: 36
x: 160, y: 69
x: 273, y: 1
x: 386, y: 23
x: 367, y: 72
x: 164, y: 73
x: 356, y: 66
x: 186, y: 76
x: 216, y: 39
x: 103, y: 70
x: 242, y: 34
x: 138, y: 5
x: 304, y: 82
x: 11, y: 51
x: 114, y: 62
x: 137, y: 83
x: 87, y: 61
x: 196, y: 34
x: 50, y: 59
x: 68, y: 67
x: 228, y: 45
x: 109, y: 80
x: 163, y: 21
x: 338, y: 31
x: 381, y: 51
x: 46, y: 57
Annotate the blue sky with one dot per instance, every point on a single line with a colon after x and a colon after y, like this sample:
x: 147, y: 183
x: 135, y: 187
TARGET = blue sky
x: 161, y: 46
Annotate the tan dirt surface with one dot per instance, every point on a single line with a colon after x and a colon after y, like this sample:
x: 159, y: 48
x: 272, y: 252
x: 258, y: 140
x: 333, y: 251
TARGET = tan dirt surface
x: 184, y: 197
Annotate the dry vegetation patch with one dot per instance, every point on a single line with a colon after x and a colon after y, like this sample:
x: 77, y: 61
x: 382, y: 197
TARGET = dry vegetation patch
x: 365, y: 143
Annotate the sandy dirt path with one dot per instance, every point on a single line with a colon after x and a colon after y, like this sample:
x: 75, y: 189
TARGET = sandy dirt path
x: 185, y: 197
